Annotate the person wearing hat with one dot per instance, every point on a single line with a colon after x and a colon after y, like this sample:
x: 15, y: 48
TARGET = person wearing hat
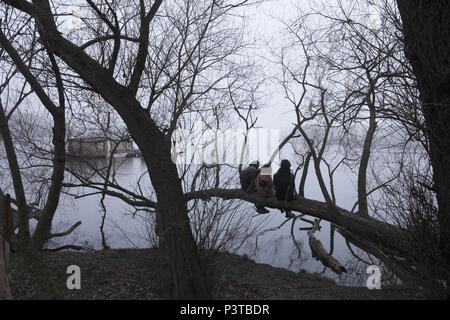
x: 247, y: 178
x: 264, y: 182
x: 284, y: 184
x: 248, y: 175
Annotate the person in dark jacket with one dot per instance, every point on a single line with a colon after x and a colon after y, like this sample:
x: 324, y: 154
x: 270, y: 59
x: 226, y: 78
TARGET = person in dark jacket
x: 247, y: 178
x: 284, y: 184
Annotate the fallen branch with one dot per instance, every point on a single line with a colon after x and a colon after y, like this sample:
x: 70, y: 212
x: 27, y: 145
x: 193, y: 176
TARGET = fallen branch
x: 67, y: 247
x: 319, y: 253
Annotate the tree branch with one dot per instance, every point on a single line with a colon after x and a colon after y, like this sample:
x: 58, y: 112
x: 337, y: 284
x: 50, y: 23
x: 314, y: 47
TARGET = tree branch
x: 65, y: 233
x: 389, y: 238
x: 143, y: 45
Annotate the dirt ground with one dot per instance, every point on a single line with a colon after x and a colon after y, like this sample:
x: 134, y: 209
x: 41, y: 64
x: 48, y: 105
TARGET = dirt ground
x: 132, y: 274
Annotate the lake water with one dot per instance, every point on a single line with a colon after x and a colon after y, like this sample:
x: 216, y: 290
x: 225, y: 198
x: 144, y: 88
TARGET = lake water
x: 124, y: 229
x: 276, y: 247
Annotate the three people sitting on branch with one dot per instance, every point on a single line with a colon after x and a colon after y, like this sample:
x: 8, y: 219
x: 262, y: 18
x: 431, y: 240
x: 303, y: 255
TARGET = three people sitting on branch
x: 257, y: 180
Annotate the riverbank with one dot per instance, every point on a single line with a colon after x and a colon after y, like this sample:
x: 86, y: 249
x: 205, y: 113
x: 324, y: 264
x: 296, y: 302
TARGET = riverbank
x: 133, y: 274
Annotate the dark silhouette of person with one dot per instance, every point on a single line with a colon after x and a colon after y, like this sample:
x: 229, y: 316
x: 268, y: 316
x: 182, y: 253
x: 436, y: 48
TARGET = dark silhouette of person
x: 247, y: 178
x: 284, y: 185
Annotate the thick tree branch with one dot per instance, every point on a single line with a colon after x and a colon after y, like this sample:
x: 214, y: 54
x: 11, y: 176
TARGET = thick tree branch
x: 389, y: 238
x: 22, y: 5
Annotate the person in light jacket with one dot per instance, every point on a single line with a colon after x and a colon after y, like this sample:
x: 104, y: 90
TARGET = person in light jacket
x: 264, y: 183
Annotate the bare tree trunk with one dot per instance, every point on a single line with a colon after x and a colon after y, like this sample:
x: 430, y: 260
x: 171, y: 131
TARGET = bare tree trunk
x: 5, y: 290
x: 426, y: 27
x: 179, y: 255
x: 43, y: 228
x: 24, y: 231
x: 362, y: 173
x: 301, y: 188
